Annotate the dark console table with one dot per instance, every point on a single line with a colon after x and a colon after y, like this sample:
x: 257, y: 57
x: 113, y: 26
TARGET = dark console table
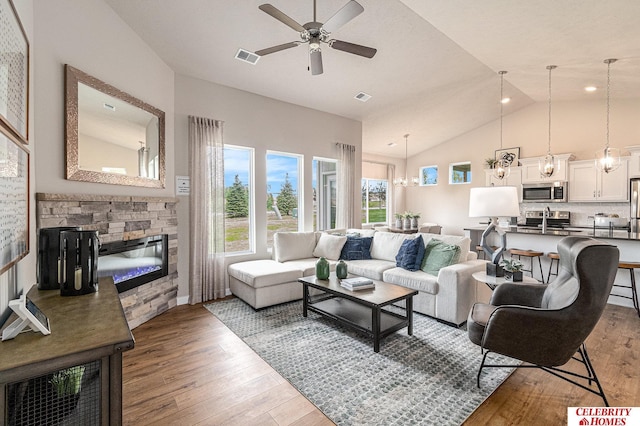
x: 88, y: 335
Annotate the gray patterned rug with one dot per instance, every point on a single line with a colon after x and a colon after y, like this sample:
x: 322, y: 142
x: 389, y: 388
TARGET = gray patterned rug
x: 428, y: 378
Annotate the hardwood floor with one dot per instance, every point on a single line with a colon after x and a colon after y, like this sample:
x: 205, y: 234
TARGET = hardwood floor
x: 187, y: 368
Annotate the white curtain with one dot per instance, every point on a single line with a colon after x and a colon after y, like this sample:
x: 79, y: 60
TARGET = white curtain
x: 391, y: 199
x: 207, y: 278
x: 346, y: 184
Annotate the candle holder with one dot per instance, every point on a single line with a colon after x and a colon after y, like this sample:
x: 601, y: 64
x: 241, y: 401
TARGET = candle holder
x: 79, y: 262
x: 49, y: 257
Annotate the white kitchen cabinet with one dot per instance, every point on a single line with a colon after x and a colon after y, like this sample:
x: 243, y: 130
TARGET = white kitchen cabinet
x: 531, y: 169
x: 588, y: 183
x: 514, y: 179
x: 634, y: 161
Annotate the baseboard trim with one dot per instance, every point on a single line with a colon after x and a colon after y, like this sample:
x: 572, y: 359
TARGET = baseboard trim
x: 184, y: 300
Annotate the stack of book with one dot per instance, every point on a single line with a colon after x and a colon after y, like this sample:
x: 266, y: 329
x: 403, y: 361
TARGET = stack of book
x: 357, y: 283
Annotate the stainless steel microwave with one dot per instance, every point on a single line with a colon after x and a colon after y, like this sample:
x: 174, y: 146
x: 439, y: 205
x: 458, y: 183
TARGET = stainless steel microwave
x: 547, y: 192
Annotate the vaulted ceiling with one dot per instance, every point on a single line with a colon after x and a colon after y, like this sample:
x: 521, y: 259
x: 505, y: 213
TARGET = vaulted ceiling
x: 435, y: 72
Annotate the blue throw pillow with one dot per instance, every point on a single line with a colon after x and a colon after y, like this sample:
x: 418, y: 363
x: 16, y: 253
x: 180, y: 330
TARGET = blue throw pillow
x: 356, y: 248
x: 410, y: 255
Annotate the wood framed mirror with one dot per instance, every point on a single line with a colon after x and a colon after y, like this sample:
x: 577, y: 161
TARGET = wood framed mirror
x: 111, y: 136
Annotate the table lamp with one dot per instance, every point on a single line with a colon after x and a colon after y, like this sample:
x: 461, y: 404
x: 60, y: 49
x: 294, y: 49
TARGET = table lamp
x: 491, y: 202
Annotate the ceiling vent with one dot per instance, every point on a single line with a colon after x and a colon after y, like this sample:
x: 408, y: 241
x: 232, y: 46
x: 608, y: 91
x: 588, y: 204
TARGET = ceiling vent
x: 246, y: 56
x: 363, y: 97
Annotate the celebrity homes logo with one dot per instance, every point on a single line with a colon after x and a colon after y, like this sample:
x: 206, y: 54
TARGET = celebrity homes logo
x: 603, y: 416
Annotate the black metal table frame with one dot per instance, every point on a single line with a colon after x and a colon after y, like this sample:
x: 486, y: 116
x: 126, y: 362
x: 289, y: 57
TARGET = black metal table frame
x: 378, y: 315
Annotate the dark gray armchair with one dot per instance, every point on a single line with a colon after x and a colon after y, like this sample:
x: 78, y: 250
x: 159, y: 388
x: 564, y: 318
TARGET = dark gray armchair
x: 546, y: 324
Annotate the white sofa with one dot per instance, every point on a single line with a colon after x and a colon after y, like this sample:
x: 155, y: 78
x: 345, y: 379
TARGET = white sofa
x: 447, y: 296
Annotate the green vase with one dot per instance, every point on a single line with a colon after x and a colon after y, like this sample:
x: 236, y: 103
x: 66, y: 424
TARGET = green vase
x: 322, y: 269
x: 341, y: 269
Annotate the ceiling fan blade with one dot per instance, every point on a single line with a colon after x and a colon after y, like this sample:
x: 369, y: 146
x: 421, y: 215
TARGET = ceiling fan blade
x: 356, y: 49
x: 315, y: 58
x: 344, y: 15
x: 277, y: 48
x: 280, y: 16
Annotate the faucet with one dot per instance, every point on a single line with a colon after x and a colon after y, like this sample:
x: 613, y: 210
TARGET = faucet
x: 545, y: 214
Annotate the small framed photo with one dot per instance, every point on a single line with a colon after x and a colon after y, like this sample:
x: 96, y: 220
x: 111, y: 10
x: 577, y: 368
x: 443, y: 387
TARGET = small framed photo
x: 510, y: 155
x: 29, y: 315
x: 428, y: 175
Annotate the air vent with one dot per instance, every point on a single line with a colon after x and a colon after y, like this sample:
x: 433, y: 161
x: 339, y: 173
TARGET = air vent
x: 109, y: 106
x: 246, y: 56
x: 363, y: 97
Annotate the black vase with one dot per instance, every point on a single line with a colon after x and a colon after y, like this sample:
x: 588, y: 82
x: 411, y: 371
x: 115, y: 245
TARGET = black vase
x: 49, y: 257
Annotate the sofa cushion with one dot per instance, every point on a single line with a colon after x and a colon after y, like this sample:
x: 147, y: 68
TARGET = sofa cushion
x: 369, y: 268
x: 264, y: 273
x: 308, y: 266
x: 410, y: 254
x: 438, y: 255
x: 385, y: 245
x: 293, y: 245
x: 357, y: 248
x: 329, y: 246
x: 415, y: 280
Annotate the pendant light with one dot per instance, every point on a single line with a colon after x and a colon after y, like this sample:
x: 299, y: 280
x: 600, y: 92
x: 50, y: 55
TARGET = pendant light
x: 547, y: 166
x: 608, y: 159
x: 502, y: 168
x: 405, y: 181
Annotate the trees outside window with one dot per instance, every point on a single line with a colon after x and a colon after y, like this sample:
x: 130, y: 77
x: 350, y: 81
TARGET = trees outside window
x: 238, y: 183
x: 374, y: 201
x: 284, y: 193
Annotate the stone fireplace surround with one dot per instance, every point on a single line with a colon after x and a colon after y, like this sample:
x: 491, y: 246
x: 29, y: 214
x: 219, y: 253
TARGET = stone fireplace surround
x: 118, y: 218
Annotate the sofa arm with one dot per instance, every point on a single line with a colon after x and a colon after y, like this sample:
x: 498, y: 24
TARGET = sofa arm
x: 457, y: 290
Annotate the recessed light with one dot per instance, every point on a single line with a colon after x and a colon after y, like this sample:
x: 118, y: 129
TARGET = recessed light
x: 392, y: 144
x: 505, y: 100
x: 590, y: 89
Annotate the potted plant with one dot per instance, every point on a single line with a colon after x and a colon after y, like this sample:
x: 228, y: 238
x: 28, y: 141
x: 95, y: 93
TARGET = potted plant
x: 399, y: 217
x: 490, y: 163
x: 512, y: 269
x: 414, y: 220
x: 406, y: 224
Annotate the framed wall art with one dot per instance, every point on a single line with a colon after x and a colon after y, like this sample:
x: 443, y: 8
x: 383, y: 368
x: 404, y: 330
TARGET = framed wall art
x: 511, y: 155
x: 14, y: 73
x: 428, y: 175
x: 14, y: 201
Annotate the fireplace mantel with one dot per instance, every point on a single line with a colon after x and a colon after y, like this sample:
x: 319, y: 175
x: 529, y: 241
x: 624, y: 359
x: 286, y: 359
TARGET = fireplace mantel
x: 121, y: 218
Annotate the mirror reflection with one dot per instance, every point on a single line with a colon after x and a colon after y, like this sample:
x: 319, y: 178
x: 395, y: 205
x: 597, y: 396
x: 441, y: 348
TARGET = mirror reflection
x: 112, y: 137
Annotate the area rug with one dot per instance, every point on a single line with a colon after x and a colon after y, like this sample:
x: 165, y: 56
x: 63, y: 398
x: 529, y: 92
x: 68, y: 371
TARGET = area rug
x: 425, y: 379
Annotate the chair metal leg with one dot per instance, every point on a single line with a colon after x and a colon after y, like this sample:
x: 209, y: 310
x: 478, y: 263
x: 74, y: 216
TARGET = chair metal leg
x: 634, y: 291
x: 562, y: 374
x: 481, y: 366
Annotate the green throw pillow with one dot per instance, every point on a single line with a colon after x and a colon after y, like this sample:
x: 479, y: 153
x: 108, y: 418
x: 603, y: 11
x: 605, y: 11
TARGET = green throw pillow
x: 438, y: 255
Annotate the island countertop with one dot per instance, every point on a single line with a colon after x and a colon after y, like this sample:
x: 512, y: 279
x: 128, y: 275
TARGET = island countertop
x: 604, y: 234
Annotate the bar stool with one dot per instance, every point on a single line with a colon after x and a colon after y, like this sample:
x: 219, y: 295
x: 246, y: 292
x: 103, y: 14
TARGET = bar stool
x: 630, y: 266
x: 480, y: 251
x: 553, y: 256
x: 531, y: 254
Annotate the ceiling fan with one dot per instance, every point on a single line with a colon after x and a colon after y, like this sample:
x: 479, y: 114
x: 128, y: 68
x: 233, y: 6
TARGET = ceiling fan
x: 314, y: 33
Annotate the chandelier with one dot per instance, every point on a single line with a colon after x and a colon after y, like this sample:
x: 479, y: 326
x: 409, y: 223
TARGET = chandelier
x: 608, y: 159
x: 405, y: 181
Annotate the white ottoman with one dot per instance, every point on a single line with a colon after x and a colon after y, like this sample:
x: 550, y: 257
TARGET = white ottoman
x: 262, y: 283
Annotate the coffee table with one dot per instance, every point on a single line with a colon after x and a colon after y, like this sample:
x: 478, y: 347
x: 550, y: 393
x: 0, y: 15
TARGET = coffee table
x: 361, y: 309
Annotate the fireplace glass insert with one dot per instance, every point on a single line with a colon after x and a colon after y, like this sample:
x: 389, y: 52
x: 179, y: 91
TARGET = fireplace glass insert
x: 134, y: 262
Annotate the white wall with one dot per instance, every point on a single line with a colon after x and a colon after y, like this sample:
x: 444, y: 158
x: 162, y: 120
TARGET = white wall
x: 264, y: 124
x: 88, y: 35
x: 577, y: 127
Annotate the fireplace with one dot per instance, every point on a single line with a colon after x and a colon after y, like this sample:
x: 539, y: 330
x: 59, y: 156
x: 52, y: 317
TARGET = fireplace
x: 133, y: 263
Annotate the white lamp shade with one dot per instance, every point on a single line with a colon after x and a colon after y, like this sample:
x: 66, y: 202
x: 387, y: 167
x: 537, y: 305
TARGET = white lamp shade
x: 494, y: 201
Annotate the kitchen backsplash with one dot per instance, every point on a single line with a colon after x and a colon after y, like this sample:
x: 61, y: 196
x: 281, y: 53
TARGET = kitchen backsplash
x: 580, y: 212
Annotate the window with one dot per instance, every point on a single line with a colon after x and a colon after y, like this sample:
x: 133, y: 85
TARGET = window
x: 428, y: 175
x: 460, y: 173
x: 324, y: 194
x: 238, y: 199
x: 374, y: 200
x: 283, y: 193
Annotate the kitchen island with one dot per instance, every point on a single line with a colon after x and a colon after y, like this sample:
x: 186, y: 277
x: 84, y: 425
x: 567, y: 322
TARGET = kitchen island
x: 534, y: 239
